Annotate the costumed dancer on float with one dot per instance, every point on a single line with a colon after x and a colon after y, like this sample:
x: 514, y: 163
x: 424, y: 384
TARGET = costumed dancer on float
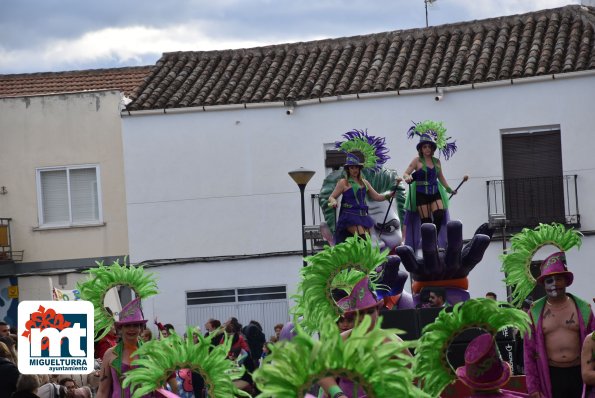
x: 354, y: 189
x: 427, y: 199
x: 346, y: 271
x: 560, y: 321
x: 484, y: 371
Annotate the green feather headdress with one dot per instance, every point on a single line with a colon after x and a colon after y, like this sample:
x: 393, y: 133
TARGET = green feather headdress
x: 437, y: 132
x: 372, y: 148
x: 431, y: 365
x: 158, y: 359
x: 350, y: 261
x: 516, y: 264
x: 103, y: 278
x: 374, y: 360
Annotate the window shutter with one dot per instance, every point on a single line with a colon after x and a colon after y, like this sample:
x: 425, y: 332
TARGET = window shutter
x: 83, y: 195
x: 54, y: 196
x: 534, y: 191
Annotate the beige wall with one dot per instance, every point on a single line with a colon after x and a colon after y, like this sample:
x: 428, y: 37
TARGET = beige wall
x: 62, y: 130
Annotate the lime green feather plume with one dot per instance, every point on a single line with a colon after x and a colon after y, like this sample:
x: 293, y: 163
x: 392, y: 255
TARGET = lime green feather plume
x: 374, y: 359
x: 516, y: 264
x: 431, y: 365
x: 436, y: 127
x: 158, y: 359
x: 314, y: 302
x: 103, y: 278
x: 361, y: 145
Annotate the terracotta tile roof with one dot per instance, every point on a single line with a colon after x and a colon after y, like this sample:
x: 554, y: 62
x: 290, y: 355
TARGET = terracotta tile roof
x: 124, y: 79
x: 545, y: 42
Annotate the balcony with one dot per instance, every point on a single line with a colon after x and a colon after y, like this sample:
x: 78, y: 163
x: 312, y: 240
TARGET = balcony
x: 7, y: 254
x: 527, y: 202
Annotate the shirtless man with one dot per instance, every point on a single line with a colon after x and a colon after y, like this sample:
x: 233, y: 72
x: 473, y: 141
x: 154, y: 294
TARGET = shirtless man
x: 560, y: 322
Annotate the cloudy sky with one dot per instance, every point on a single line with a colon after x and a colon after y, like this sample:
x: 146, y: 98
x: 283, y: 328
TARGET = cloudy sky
x: 59, y: 35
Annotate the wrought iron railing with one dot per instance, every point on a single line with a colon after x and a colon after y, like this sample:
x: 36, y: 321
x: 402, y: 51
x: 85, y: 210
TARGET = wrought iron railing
x: 526, y: 202
x: 6, y: 252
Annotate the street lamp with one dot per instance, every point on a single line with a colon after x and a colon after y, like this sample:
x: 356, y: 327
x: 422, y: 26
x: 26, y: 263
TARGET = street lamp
x: 301, y: 177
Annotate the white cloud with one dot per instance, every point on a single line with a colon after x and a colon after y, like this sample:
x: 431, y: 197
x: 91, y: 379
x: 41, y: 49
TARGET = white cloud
x: 128, y: 46
x: 480, y: 9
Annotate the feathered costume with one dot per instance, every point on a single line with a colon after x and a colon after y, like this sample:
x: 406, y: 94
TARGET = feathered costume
x: 337, y: 267
x: 158, y: 359
x: 373, y: 360
x: 354, y: 210
x: 103, y: 278
x: 431, y: 364
x: 425, y: 180
x: 516, y: 264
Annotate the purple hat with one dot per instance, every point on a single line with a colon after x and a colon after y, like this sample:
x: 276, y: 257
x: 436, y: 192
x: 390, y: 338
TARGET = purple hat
x: 426, y: 138
x: 361, y: 298
x: 555, y: 264
x: 352, y: 160
x: 484, y: 369
x: 131, y: 313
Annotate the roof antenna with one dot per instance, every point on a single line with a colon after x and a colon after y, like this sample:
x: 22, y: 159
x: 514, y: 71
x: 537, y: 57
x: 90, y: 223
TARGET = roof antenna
x: 426, y: 2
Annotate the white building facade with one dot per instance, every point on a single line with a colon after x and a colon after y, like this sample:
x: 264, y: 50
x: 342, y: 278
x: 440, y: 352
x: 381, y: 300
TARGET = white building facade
x: 206, y: 184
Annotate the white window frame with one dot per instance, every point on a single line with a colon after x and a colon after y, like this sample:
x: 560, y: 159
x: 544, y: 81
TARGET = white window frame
x: 70, y: 223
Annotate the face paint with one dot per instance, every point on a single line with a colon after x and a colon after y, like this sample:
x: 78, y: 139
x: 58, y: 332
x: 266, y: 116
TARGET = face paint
x: 555, y: 285
x: 550, y: 287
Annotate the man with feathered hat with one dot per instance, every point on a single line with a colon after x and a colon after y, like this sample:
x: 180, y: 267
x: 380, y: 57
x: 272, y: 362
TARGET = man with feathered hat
x: 559, y: 321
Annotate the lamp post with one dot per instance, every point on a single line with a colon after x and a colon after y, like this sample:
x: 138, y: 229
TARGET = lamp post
x: 301, y: 177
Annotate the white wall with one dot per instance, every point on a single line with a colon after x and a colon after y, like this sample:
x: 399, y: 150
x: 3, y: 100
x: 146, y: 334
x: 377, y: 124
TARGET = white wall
x: 215, y: 183
x: 175, y: 280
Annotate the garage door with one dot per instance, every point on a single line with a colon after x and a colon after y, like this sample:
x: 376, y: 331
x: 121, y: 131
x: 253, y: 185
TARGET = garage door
x: 268, y: 305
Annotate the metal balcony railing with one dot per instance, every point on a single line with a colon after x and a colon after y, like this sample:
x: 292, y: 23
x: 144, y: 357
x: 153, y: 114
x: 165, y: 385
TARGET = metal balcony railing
x: 526, y: 202
x: 6, y: 252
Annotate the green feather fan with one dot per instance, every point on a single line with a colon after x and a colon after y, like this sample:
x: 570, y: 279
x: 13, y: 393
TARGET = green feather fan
x: 431, y: 365
x: 103, y: 278
x: 516, y: 264
x: 373, y: 358
x: 158, y: 359
x: 314, y: 303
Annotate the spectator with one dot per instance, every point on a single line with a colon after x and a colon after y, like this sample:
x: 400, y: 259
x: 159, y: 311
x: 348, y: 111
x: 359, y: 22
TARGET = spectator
x: 436, y: 297
x: 4, y: 329
x: 9, y: 373
x: 146, y: 335
x: 164, y: 330
x: 491, y: 295
x: 256, y: 339
x: 108, y: 341
x: 10, y: 343
x: 73, y: 390
x: 27, y: 386
x: 278, y: 328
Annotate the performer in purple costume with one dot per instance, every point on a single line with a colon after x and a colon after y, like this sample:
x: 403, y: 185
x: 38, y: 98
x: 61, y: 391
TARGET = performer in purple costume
x: 427, y: 200
x: 353, y: 216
